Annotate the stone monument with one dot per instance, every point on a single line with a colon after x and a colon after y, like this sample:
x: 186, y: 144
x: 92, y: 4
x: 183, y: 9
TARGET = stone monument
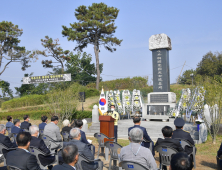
x: 161, y: 99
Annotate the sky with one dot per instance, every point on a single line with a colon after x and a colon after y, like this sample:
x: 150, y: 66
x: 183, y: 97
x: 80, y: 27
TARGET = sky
x: 194, y: 28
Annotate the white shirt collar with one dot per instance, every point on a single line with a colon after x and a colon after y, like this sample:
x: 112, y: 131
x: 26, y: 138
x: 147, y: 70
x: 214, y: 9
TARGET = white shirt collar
x: 26, y: 150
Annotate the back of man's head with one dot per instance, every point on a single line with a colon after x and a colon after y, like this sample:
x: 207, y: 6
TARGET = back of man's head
x: 136, y: 119
x: 66, y: 122
x: 26, y: 117
x: 9, y: 118
x: 23, y: 138
x: 136, y: 135
x: 33, y: 129
x: 54, y: 118
x: 69, y: 153
x: 16, y: 121
x: 79, y: 123
x: 74, y: 132
x: 181, y: 161
x: 44, y: 118
x: 167, y: 131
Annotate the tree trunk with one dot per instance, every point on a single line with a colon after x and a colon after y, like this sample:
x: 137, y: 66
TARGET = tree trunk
x: 96, y: 50
x: 214, y: 138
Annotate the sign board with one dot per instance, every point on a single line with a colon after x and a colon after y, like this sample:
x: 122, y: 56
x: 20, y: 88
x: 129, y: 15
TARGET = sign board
x: 47, y: 79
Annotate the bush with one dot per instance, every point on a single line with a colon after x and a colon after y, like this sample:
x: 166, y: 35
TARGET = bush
x: 125, y: 83
x: 81, y: 115
x: 19, y: 115
x: 146, y: 90
x: 29, y: 100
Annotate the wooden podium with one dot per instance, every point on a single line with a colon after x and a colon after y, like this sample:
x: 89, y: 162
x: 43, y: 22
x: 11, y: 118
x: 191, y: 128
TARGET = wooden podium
x: 107, y: 126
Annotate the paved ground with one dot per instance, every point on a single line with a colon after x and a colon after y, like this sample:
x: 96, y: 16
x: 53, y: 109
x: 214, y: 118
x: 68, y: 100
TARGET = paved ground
x: 153, y: 128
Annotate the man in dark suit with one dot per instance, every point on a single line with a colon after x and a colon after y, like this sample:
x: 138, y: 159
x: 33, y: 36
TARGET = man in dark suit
x: 44, y: 122
x: 21, y: 158
x: 5, y: 139
x: 83, y: 149
x: 168, y: 141
x: 179, y: 133
x: 79, y: 124
x: 70, y: 157
x: 26, y: 124
x: 16, y: 128
x: 39, y: 144
x: 137, y: 123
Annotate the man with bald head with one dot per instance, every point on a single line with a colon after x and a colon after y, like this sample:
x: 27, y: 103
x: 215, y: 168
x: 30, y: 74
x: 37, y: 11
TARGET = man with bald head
x: 83, y: 149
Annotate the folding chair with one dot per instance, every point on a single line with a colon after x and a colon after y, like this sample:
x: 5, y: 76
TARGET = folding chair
x: 82, y: 158
x: 14, y: 137
x: 3, y: 150
x: 49, y: 142
x: 128, y: 165
x: 185, y: 143
x: 219, y: 163
x: 9, y: 131
x: 100, y: 137
x: 113, y: 147
x: 151, y: 147
x: 65, y: 136
x: 37, y: 152
x: 13, y: 168
x: 41, y: 133
x: 166, y: 154
x: 25, y: 130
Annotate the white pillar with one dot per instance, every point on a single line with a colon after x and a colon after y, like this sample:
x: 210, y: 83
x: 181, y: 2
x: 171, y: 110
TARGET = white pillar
x: 84, y: 126
x: 95, y: 114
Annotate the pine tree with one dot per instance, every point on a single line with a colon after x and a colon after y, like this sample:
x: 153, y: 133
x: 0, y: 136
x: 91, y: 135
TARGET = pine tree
x: 96, y: 26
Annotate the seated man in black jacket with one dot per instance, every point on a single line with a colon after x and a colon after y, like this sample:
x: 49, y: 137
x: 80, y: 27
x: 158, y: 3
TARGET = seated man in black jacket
x: 21, y: 157
x: 70, y: 157
x: 39, y: 144
x: 26, y: 124
x: 168, y: 141
x: 5, y: 139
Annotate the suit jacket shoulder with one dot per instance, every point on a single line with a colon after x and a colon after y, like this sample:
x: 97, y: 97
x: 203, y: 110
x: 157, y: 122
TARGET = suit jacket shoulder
x: 63, y: 167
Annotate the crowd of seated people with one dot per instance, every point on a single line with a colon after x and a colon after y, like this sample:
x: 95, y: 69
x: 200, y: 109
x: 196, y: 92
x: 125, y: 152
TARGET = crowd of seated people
x: 137, y: 151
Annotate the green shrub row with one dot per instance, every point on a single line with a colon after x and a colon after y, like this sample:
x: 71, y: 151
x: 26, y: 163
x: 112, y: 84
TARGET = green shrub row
x: 82, y: 115
x: 34, y: 100
x: 19, y: 115
x: 125, y: 83
x: 36, y: 115
x: 29, y: 100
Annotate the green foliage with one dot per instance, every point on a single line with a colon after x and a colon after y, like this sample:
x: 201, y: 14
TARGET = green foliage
x: 186, y: 78
x: 35, y: 114
x: 81, y: 68
x: 29, y: 100
x: 95, y: 26
x: 125, y: 83
x: 210, y: 65
x: 54, y: 50
x: 4, y: 85
x: 27, y: 89
x: 81, y: 115
x: 10, y: 51
x: 146, y: 90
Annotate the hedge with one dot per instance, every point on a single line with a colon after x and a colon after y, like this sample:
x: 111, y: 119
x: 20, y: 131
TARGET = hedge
x: 125, y: 83
x: 19, y: 115
x: 39, y: 113
x: 29, y: 100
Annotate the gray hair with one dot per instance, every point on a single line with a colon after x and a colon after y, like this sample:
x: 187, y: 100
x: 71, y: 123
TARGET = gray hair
x: 136, y: 135
x: 2, y: 127
x: 66, y: 122
x: 74, y: 132
x: 33, y: 129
